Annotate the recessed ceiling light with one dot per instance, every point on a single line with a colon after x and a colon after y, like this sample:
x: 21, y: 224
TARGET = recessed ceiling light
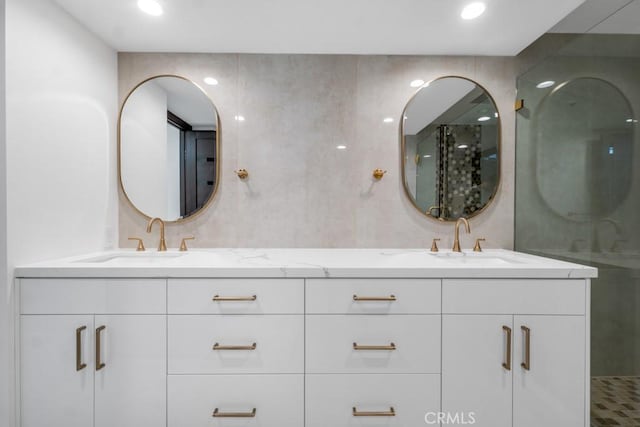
x: 210, y: 81
x: 473, y: 10
x: 629, y: 120
x: 238, y: 118
x: 484, y: 118
x: 426, y: 156
x: 341, y: 147
x: 417, y: 83
x: 463, y: 146
x: 545, y: 84
x: 388, y: 120
x: 152, y: 7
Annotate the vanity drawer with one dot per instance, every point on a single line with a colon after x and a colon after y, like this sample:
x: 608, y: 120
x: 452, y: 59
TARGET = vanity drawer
x: 331, y: 399
x: 510, y: 296
x: 401, y: 344
x: 279, y: 344
x: 236, y: 296
x: 373, y: 296
x: 94, y: 296
x: 278, y: 400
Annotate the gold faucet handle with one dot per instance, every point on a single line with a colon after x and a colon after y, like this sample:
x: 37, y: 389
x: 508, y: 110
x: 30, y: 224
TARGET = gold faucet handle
x: 140, y: 247
x: 183, y: 243
x: 434, y: 245
x: 477, y: 247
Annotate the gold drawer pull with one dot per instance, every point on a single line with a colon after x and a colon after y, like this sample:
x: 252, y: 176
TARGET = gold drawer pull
x: 217, y: 346
x: 389, y: 347
x: 218, y: 414
x: 79, y: 365
x: 527, y: 348
x: 384, y: 299
x: 507, y: 364
x: 99, y: 363
x: 219, y: 298
x: 391, y: 413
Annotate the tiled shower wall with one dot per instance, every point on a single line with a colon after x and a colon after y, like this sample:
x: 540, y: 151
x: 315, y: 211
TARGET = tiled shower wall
x: 302, y: 191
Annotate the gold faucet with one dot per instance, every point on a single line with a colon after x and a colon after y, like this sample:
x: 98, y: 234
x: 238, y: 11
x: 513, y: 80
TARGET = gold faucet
x: 162, y: 246
x: 456, y: 238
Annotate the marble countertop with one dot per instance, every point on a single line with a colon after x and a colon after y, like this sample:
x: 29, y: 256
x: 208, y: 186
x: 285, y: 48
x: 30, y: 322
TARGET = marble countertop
x: 308, y: 263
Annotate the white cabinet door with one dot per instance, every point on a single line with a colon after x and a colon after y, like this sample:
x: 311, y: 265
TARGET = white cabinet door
x: 56, y: 391
x: 551, y: 392
x: 474, y: 380
x: 130, y: 390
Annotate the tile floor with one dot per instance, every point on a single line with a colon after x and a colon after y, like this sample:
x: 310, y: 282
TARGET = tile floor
x: 615, y: 401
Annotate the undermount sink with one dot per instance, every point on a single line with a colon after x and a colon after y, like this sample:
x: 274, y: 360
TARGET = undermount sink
x: 475, y: 258
x: 132, y: 258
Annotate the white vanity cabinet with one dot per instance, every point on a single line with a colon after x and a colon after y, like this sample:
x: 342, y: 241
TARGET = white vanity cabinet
x: 376, y: 345
x: 514, y: 352
x: 93, y: 352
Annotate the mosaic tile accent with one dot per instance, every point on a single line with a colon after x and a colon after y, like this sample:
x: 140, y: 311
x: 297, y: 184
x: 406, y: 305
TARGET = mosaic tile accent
x: 615, y: 401
x: 459, y: 178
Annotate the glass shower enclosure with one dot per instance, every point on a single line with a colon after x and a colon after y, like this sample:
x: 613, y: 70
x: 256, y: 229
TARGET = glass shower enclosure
x: 578, y: 195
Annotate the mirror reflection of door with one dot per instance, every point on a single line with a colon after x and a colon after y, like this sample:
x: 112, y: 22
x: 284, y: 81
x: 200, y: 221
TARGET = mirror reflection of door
x: 168, y: 147
x: 196, y: 157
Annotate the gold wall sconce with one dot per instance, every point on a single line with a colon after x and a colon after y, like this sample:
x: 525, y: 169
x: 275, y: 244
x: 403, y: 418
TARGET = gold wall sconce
x: 242, y: 173
x: 378, y: 174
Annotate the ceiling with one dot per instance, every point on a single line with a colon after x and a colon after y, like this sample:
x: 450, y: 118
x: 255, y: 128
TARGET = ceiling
x: 420, y: 27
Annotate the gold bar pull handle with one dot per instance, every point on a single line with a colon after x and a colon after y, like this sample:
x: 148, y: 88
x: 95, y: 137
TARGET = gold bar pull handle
x: 390, y: 413
x: 527, y: 348
x: 507, y: 363
x: 390, y: 347
x: 218, y: 414
x: 218, y: 298
x: 79, y: 365
x: 384, y: 299
x: 99, y: 363
x: 251, y: 347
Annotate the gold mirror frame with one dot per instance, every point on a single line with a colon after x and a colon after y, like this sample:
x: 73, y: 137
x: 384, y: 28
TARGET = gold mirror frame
x: 403, y: 151
x: 218, y: 152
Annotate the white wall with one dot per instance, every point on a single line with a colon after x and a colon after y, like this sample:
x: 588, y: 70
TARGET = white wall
x: 144, y: 149
x: 5, y: 308
x: 61, y: 85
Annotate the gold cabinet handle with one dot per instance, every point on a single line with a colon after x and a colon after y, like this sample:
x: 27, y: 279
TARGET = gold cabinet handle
x: 527, y: 348
x: 389, y: 298
x: 218, y: 414
x: 251, y: 347
x: 390, y: 413
x: 390, y: 347
x: 99, y: 363
x: 221, y: 299
x: 79, y: 365
x: 507, y: 363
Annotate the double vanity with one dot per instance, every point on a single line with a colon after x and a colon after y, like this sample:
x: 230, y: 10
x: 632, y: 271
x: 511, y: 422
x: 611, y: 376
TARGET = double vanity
x: 304, y: 337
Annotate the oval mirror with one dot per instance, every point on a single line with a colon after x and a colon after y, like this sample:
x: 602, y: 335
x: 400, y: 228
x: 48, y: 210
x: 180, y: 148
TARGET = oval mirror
x: 450, y: 139
x: 584, y: 131
x: 168, y: 148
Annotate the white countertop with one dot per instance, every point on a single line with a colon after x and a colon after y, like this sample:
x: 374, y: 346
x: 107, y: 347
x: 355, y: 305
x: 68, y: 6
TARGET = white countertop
x: 309, y: 263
